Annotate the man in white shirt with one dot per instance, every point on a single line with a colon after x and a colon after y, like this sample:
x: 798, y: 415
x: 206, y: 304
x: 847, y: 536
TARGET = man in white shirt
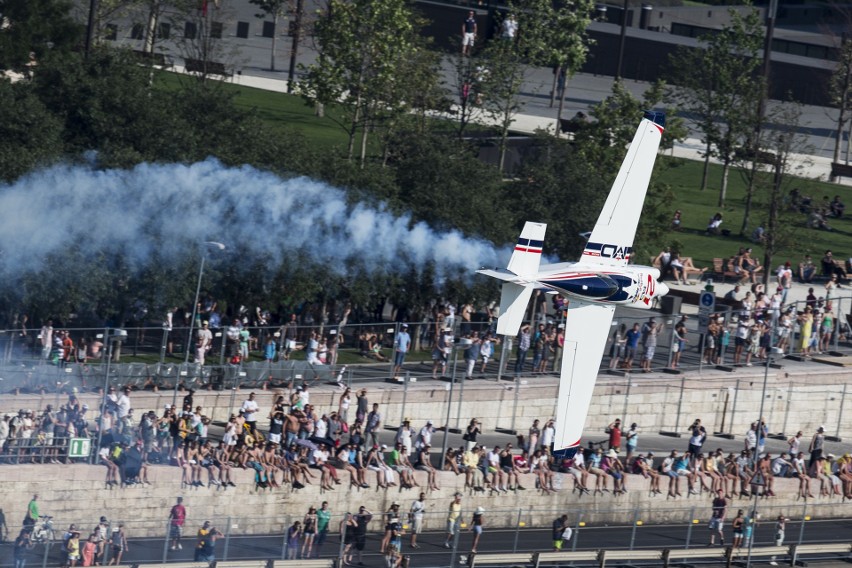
x: 250, y: 409
x: 203, y: 343
x: 123, y: 402
x: 492, y: 458
x: 424, y: 437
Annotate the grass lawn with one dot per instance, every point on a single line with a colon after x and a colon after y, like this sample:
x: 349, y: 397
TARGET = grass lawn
x: 699, y: 206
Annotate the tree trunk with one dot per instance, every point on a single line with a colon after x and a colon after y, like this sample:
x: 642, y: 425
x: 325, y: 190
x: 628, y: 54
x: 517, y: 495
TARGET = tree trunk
x: 561, y: 106
x: 723, y: 190
x: 553, y: 93
x: 353, y: 128
x: 272, y: 50
x: 705, y: 175
x: 364, y: 132
x: 151, y: 29
x: 294, y: 49
x: 749, y: 194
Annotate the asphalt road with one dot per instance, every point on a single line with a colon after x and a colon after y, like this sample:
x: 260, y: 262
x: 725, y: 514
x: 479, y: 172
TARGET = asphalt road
x: 432, y: 553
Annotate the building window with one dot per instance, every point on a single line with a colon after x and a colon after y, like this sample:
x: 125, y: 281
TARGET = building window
x: 243, y: 29
x: 268, y: 29
x: 111, y: 32
x: 216, y: 29
x: 137, y: 32
x: 190, y: 30
x: 164, y: 30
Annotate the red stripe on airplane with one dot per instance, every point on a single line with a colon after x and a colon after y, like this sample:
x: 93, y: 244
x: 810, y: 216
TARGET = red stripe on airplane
x: 526, y: 249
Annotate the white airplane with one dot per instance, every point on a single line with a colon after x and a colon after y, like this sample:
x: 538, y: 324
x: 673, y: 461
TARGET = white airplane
x: 601, y: 280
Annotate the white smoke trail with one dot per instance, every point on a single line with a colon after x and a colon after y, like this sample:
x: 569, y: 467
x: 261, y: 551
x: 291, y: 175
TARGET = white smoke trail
x: 160, y: 209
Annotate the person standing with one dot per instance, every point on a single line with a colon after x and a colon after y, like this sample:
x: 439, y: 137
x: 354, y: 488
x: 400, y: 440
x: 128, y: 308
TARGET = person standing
x: 453, y: 516
x: 31, y: 517
x: 561, y: 532
x: 177, y: 517
x: 23, y: 544
x: 362, y: 519
x: 524, y: 341
x: 614, y: 431
x: 294, y: 534
x: 118, y: 542
x: 418, y: 508
x: 323, y: 519
x: 780, y: 525
x: 816, y: 446
x: 250, y: 409
x: 72, y: 547
x: 401, y: 346
x: 476, y: 525
x: 205, y: 549
x: 468, y: 33
x: 632, y: 440
x: 717, y: 520
x: 371, y: 430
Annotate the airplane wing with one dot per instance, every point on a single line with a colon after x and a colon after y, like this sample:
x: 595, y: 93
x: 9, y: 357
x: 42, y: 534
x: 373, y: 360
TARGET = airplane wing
x: 587, y: 328
x: 611, y: 241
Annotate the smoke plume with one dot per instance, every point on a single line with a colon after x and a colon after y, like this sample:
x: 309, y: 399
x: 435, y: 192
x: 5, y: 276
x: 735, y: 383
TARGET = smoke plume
x: 155, y: 211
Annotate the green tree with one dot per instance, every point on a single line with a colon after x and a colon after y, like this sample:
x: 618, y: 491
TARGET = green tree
x: 554, y: 34
x: 721, y: 84
x: 840, y: 90
x: 274, y: 9
x: 781, y: 143
x: 31, y: 137
x: 498, y: 79
x: 34, y: 28
x: 362, y: 47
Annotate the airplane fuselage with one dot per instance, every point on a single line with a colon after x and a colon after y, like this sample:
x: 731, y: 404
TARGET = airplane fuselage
x: 631, y: 285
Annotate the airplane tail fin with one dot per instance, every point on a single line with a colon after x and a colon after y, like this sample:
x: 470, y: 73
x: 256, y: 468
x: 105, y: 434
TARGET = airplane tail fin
x: 513, y: 305
x: 526, y: 257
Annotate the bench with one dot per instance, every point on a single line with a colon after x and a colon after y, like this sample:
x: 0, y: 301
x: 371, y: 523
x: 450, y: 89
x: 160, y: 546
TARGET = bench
x: 318, y: 563
x: 207, y: 67
x: 692, y: 554
x: 561, y: 557
x: 796, y: 549
x: 234, y: 564
x: 521, y: 559
x: 839, y: 170
x: 158, y: 59
x: 720, y: 270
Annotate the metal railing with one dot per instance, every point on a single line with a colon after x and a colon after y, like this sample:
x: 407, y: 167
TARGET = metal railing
x: 507, y: 531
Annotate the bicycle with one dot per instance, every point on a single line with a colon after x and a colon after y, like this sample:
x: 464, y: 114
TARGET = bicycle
x: 43, y: 530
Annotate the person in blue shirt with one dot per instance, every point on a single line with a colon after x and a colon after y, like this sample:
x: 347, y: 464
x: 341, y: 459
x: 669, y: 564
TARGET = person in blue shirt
x: 401, y: 347
x: 631, y: 344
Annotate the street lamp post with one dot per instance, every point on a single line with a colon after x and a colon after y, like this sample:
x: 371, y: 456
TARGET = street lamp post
x: 214, y: 245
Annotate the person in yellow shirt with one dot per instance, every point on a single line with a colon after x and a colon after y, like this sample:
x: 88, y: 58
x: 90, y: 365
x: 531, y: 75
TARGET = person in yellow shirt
x: 453, y: 518
x: 73, y: 548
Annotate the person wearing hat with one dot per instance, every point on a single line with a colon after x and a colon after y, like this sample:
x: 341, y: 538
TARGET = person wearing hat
x: 118, y: 544
x: 101, y: 533
x: 453, y: 519
x: 476, y: 525
x: 401, y: 346
x: 203, y: 343
x: 72, y: 547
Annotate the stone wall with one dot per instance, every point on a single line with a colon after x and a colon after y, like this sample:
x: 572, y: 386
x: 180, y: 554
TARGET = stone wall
x: 76, y: 494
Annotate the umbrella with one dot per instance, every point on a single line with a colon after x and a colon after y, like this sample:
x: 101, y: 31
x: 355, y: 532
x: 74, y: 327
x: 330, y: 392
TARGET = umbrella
x: 306, y: 443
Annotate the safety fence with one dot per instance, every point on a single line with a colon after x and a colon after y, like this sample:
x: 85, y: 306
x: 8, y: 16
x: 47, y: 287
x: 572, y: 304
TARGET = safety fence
x: 505, y: 531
